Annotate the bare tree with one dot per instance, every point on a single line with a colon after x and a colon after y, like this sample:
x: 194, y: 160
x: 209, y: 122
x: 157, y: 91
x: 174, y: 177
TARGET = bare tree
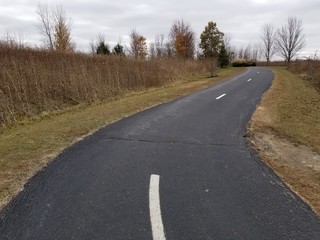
x: 133, y: 43
x: 247, y: 53
x: 159, y: 45
x: 168, y: 50
x: 268, y: 41
x: 152, y: 50
x: 255, y: 52
x: 182, y: 39
x: 227, y: 42
x: 157, y: 48
x: 233, y: 54
x: 46, y: 25
x: 13, y: 40
x: 290, y: 39
x: 240, y: 53
x: 56, y: 28
x: 92, y: 46
x: 231, y: 50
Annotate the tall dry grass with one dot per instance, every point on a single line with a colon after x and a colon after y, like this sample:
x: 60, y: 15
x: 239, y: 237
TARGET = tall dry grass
x: 308, y: 69
x: 34, y: 81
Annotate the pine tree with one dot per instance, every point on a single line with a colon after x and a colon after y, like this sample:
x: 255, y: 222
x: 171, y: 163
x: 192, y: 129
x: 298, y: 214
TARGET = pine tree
x: 118, y: 50
x: 103, y: 48
x: 223, y: 56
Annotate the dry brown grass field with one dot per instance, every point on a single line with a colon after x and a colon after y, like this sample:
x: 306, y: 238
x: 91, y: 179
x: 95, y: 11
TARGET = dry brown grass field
x: 308, y: 70
x: 33, y: 82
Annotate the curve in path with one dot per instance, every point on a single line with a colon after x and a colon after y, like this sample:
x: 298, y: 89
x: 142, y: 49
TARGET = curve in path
x: 212, y: 185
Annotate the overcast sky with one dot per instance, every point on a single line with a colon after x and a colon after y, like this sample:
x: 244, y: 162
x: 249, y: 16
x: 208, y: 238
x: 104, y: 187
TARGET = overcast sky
x: 242, y: 20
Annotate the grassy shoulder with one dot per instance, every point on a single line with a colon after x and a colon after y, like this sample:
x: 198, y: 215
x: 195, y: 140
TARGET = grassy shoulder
x: 285, y: 131
x: 30, y: 145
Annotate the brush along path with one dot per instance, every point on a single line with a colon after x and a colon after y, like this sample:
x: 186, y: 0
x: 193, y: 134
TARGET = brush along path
x: 180, y: 170
x: 285, y: 130
x: 27, y: 148
x: 33, y: 81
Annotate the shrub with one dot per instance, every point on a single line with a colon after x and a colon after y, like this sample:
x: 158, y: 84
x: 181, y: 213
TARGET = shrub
x: 35, y: 81
x: 243, y: 64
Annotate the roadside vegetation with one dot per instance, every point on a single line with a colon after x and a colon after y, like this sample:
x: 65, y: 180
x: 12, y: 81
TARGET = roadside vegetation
x: 33, y: 82
x: 29, y: 144
x: 38, y: 80
x: 52, y: 95
x: 308, y: 69
x: 285, y: 130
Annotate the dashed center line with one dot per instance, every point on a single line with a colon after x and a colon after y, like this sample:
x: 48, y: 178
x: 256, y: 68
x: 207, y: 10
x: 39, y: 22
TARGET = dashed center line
x: 155, y: 211
x: 249, y: 79
x: 221, y: 96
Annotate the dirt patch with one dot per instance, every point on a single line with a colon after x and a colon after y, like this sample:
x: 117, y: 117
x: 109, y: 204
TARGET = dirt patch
x: 298, y: 166
x: 288, y: 140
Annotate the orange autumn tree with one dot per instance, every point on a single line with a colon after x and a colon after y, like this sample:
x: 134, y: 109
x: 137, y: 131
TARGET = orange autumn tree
x: 138, y: 45
x: 182, y: 39
x: 180, y: 45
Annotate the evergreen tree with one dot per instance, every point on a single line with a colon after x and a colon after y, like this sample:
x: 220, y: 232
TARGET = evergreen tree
x: 211, y: 40
x: 118, y: 50
x: 223, y: 56
x: 103, y: 48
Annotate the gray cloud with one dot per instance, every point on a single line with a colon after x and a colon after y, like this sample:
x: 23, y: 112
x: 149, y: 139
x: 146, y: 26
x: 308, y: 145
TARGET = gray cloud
x: 242, y: 20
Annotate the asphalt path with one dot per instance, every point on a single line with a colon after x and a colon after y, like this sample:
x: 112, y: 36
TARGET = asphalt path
x: 180, y: 170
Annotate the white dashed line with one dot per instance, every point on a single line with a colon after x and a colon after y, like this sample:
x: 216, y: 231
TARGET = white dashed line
x: 249, y: 79
x: 155, y: 211
x: 221, y: 96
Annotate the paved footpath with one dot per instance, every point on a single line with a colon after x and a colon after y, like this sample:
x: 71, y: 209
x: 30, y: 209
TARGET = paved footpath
x: 181, y: 170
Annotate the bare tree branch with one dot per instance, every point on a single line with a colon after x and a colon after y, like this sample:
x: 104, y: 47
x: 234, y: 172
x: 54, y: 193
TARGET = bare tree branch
x: 46, y: 26
x: 268, y: 41
x: 290, y: 39
x: 159, y: 45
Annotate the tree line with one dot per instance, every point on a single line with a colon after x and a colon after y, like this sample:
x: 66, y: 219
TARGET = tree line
x: 56, y: 30
x: 285, y: 41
